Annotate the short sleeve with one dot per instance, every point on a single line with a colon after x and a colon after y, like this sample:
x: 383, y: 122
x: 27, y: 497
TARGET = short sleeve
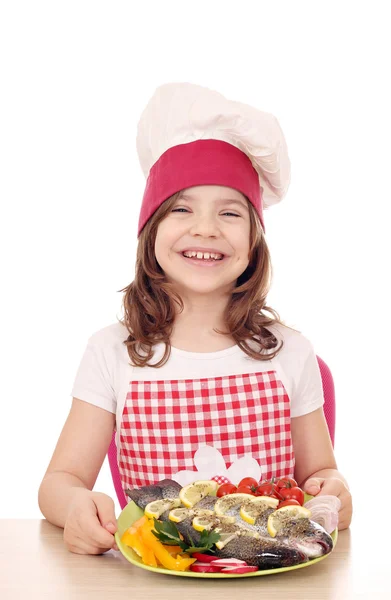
x: 93, y: 382
x: 308, y: 390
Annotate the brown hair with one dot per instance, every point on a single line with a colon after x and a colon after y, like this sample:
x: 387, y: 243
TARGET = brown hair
x: 148, y: 302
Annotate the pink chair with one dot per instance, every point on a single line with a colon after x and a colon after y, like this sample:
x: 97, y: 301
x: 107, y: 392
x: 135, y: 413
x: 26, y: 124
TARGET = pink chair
x: 328, y: 409
x: 329, y: 397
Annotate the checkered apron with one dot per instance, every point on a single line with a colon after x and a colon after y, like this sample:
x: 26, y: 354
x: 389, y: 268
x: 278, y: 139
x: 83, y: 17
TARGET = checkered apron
x: 165, y: 421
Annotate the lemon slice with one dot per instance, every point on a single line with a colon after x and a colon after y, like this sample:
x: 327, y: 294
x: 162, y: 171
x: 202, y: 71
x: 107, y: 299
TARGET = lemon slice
x: 230, y: 501
x: 202, y: 522
x: 180, y: 514
x: 158, y: 507
x: 266, y: 501
x: 225, y: 538
x: 281, y: 516
x: 231, y: 534
x: 251, y: 509
x: 194, y: 492
x: 207, y: 521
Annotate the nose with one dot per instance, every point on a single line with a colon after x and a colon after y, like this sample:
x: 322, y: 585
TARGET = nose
x: 205, y: 225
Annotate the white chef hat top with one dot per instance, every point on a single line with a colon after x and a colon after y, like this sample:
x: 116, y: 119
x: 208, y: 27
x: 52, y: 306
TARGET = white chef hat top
x: 179, y: 116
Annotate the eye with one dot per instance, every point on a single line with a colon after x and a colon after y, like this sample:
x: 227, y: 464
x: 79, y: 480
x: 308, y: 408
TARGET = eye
x: 182, y: 209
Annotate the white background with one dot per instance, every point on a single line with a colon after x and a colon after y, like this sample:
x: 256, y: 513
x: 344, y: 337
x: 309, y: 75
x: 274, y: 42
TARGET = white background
x: 75, y: 77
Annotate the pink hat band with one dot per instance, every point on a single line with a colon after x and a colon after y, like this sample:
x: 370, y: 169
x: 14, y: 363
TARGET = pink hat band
x: 203, y: 162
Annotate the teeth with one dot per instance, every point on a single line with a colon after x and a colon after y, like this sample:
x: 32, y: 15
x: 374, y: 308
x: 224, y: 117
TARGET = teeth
x: 203, y: 255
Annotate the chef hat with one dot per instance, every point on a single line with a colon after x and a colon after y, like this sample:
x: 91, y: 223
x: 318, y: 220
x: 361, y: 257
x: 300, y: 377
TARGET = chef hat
x: 190, y: 135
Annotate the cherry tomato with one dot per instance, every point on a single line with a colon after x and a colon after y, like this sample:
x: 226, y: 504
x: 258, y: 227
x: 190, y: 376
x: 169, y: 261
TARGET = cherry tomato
x: 245, y: 489
x: 226, y: 488
x: 250, y: 482
x: 288, y: 503
x: 268, y: 489
x: 293, y: 493
x: 286, y: 482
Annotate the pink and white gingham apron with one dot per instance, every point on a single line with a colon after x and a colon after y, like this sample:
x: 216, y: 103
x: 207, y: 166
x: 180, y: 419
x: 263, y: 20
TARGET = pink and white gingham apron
x: 165, y: 421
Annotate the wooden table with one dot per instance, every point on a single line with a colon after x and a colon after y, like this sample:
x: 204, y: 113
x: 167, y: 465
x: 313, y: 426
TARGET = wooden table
x: 34, y: 564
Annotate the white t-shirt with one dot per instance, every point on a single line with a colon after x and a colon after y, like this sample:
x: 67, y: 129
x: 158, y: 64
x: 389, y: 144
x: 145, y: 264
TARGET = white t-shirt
x: 104, y: 371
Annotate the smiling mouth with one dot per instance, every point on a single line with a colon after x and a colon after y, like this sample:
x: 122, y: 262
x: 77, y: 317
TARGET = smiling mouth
x: 204, y: 256
x: 203, y: 262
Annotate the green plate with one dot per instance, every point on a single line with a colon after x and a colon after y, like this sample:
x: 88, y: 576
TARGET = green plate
x: 132, y: 512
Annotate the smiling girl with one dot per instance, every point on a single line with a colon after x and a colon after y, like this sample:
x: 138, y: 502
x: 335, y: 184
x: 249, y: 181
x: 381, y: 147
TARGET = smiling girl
x: 202, y: 246
x: 198, y: 359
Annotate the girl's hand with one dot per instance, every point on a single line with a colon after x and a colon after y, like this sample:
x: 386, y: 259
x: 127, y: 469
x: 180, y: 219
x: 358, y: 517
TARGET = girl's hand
x: 318, y: 486
x: 91, y: 523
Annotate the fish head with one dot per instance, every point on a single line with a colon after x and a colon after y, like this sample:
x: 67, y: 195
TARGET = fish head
x: 306, y: 536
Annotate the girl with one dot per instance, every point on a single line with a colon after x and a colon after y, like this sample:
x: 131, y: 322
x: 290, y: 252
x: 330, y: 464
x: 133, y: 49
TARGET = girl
x: 199, y: 359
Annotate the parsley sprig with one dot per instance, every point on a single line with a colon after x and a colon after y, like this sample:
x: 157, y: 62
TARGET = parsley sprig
x: 167, y: 533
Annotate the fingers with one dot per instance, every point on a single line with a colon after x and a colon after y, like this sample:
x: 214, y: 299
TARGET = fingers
x: 111, y: 527
x: 333, y: 487
x: 95, y: 533
x: 91, y: 523
x: 85, y: 535
x: 81, y: 546
x: 88, y: 544
x: 345, y: 517
x: 105, y: 511
x: 313, y: 485
x: 321, y: 486
x: 318, y: 486
x: 346, y: 511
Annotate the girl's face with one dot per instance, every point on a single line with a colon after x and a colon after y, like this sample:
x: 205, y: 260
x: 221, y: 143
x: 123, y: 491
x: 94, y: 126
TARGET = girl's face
x: 207, y: 219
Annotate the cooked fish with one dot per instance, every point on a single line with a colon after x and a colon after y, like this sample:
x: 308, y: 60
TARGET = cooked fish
x: 296, y: 541
x: 246, y: 544
x: 166, y: 488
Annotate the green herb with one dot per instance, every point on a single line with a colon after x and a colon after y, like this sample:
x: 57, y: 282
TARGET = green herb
x: 167, y: 533
x: 207, y: 540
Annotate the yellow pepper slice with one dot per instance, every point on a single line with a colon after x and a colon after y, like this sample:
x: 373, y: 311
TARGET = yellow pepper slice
x: 173, y: 550
x: 168, y: 561
x: 133, y: 539
x: 139, y: 522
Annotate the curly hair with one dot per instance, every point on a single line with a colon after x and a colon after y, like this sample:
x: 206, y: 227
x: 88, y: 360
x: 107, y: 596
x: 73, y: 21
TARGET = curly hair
x: 149, y: 309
